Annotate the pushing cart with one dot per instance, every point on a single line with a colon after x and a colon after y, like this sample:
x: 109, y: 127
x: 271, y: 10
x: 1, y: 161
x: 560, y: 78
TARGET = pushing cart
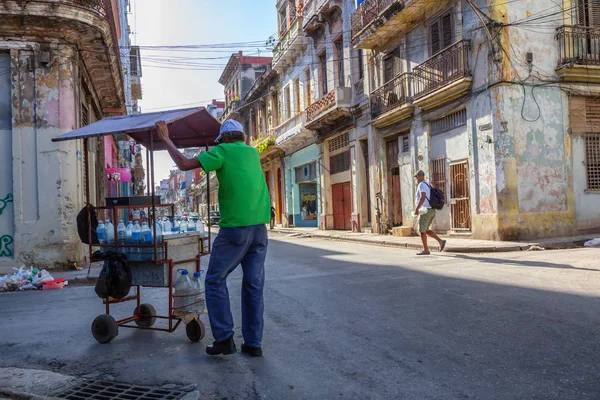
x: 192, y: 127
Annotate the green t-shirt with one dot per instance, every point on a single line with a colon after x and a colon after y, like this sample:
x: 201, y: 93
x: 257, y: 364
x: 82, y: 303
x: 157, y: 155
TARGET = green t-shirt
x: 243, y: 194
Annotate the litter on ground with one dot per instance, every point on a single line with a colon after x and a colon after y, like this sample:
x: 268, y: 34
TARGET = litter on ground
x: 29, y: 279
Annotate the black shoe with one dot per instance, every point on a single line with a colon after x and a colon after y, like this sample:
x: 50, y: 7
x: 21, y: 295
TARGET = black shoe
x: 225, y: 347
x: 252, y: 351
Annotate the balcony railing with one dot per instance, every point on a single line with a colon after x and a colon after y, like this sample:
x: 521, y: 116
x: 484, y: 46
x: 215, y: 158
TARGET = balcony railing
x: 445, y: 67
x: 579, y: 45
x: 368, y: 12
x: 393, y: 94
x: 324, y: 103
x: 359, y: 87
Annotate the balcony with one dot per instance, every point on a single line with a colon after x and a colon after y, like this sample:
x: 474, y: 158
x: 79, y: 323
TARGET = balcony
x: 377, y: 22
x: 291, y: 45
x: 232, y: 107
x: 444, y: 77
x: 579, y: 52
x: 89, y: 23
x: 292, y: 133
x: 392, y: 102
x: 316, y: 12
x: 329, y: 108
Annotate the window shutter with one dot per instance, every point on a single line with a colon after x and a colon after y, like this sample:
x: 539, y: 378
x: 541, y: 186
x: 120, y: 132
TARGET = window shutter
x: 434, y: 30
x: 594, y: 13
x: 447, y: 36
x: 581, y: 12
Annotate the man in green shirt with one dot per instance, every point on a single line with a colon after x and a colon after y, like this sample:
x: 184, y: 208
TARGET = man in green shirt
x: 245, y: 210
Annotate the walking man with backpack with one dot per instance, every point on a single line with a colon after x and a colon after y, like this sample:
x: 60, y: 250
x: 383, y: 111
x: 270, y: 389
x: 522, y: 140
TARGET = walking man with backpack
x: 424, y: 202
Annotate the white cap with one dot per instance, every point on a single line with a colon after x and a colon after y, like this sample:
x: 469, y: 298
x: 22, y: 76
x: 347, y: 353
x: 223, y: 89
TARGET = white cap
x: 230, y: 125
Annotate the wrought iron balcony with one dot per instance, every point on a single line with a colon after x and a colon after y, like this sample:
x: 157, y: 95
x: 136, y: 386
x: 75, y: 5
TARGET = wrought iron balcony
x: 395, y: 94
x: 289, y: 45
x: 442, y: 70
x: 329, y: 108
x: 578, y: 45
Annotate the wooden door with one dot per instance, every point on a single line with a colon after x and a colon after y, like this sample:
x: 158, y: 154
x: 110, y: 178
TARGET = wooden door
x: 279, y: 197
x: 394, y: 193
x: 342, y: 206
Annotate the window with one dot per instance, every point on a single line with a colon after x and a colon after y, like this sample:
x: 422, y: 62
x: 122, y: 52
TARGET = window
x: 592, y: 161
x: 287, y: 105
x: 361, y: 68
x: 339, y: 53
x: 306, y: 172
x: 323, y: 73
x: 297, y: 96
x: 405, y: 144
x: 339, y: 163
x: 441, y: 32
x: 85, y: 116
x: 449, y: 122
x: 308, y: 95
x: 135, y: 62
x: 439, y: 174
x: 588, y: 12
x: 391, y: 65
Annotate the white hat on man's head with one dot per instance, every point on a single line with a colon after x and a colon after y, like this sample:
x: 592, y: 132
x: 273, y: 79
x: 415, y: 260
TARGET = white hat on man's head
x: 228, y: 127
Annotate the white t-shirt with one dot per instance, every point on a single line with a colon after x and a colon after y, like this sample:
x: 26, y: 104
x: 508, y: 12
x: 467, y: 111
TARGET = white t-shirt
x: 423, y: 188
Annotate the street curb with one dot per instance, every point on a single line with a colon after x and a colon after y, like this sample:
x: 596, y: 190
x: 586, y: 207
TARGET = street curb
x: 568, y: 244
x: 14, y: 395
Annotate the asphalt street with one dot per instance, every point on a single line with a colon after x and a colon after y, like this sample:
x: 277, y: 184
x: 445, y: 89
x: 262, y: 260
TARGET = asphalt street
x: 352, y: 321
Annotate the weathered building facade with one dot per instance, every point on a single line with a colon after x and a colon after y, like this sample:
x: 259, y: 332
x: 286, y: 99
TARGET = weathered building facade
x: 476, y: 100
x: 60, y: 69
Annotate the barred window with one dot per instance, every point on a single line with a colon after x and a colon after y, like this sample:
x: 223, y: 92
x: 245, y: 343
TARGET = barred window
x: 449, y: 122
x: 592, y: 161
x: 439, y: 174
x: 339, y: 163
x: 405, y: 144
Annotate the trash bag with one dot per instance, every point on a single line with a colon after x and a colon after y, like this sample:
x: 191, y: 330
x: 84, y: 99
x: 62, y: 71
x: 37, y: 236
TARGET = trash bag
x: 83, y: 225
x: 115, y: 278
x: 592, y: 243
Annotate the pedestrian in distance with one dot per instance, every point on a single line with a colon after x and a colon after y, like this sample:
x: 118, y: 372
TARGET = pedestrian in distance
x: 272, y: 217
x: 244, y: 205
x: 425, y: 213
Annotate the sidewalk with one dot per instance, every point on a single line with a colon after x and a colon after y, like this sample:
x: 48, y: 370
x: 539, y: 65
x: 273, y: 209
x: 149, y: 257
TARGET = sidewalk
x: 454, y: 244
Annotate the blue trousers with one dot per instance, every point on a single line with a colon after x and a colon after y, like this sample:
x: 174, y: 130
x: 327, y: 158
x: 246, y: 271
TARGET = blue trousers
x: 232, y: 247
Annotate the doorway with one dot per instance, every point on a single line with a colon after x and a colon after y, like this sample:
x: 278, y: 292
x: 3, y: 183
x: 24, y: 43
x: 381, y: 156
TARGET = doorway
x: 394, y: 192
x: 279, y: 197
x: 460, y: 200
x: 342, y: 206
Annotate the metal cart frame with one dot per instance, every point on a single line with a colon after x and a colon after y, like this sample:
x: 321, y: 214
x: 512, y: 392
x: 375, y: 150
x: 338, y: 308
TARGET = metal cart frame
x: 105, y: 326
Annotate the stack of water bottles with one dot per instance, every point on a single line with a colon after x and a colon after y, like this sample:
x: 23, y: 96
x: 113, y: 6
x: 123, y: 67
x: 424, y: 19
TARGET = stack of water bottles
x: 188, y: 294
x: 180, y: 226
x: 132, y: 234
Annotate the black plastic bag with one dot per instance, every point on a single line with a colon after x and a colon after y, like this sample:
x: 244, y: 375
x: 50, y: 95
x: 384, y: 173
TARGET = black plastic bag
x: 115, y: 278
x: 83, y: 227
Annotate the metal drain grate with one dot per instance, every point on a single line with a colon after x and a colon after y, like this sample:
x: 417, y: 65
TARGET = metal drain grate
x: 101, y: 390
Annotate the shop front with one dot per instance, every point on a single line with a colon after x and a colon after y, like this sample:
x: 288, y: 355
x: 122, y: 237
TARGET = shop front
x: 302, y: 188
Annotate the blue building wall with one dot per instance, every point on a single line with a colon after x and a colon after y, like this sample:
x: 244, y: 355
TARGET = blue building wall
x: 293, y: 190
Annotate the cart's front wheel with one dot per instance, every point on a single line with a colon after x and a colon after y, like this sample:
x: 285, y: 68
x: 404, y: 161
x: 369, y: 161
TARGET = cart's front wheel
x: 105, y: 328
x: 146, y: 315
x: 195, y: 330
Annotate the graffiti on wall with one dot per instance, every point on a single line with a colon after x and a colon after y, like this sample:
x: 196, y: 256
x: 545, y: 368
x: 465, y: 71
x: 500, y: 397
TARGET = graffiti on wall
x: 4, y: 202
x: 5, y: 240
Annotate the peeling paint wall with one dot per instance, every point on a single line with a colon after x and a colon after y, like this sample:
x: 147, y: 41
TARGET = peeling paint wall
x: 46, y: 176
x: 6, y: 168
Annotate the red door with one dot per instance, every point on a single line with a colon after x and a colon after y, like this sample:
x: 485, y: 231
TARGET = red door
x: 342, y: 206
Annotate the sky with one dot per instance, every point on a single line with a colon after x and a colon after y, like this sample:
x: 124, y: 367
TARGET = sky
x: 180, y: 78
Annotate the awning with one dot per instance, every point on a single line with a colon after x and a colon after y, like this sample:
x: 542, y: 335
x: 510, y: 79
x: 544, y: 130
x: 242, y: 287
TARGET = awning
x: 190, y: 127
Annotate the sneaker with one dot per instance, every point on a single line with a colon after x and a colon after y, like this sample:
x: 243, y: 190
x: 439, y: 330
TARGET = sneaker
x: 443, y: 245
x: 225, y: 347
x: 252, y: 351
x: 423, y: 253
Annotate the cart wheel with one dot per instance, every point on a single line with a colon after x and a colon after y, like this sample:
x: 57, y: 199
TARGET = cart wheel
x: 195, y: 330
x: 147, y: 315
x: 105, y: 328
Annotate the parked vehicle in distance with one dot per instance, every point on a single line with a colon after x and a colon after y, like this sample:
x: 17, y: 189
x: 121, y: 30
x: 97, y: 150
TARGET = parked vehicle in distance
x: 213, y: 218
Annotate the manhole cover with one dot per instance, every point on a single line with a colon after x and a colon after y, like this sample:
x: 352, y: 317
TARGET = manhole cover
x: 101, y: 390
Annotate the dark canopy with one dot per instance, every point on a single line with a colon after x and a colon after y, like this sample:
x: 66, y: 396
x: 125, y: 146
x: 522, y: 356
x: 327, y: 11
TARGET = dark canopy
x: 190, y: 127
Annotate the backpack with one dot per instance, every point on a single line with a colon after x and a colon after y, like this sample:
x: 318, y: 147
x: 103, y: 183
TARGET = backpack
x: 437, y: 198
x: 83, y: 226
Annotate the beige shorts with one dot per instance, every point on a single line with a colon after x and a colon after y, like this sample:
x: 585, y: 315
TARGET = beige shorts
x: 425, y: 220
